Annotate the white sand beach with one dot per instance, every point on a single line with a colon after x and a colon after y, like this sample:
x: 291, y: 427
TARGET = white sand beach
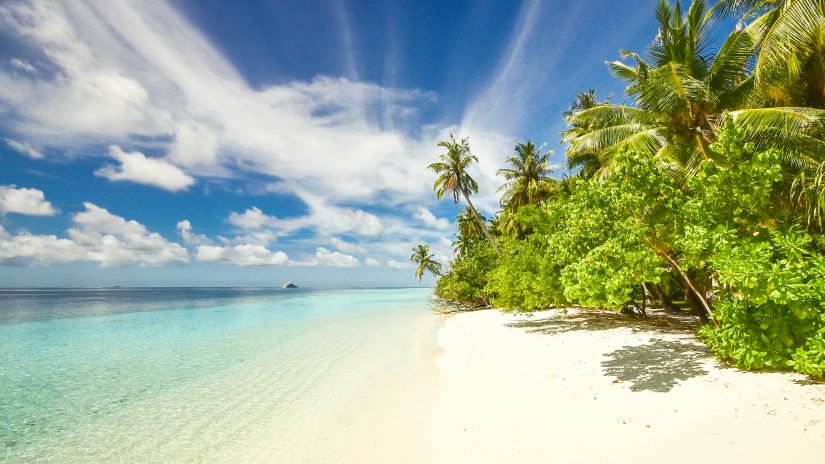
x: 586, y: 388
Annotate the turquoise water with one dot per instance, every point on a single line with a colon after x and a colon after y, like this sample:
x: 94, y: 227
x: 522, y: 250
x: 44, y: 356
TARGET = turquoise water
x: 193, y: 375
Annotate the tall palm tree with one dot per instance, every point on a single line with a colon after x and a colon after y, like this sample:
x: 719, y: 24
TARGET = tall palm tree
x: 681, y: 96
x: 454, y: 179
x: 422, y: 256
x: 790, y: 39
x: 528, y: 180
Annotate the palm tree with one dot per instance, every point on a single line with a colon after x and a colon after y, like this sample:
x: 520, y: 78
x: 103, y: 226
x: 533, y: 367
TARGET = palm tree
x: 469, y: 231
x: 790, y: 39
x: 789, y: 69
x: 681, y: 97
x: 454, y: 179
x: 586, y: 161
x: 528, y: 180
x: 422, y: 256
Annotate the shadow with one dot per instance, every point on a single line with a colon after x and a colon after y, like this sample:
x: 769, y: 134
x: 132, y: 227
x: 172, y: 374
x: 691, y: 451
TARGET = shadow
x: 594, y: 320
x: 657, y: 366
x: 809, y: 381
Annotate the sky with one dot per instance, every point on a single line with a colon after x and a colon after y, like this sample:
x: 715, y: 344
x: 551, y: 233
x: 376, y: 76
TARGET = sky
x: 214, y: 143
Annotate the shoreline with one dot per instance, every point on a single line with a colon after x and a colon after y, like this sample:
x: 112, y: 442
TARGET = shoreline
x: 579, y: 388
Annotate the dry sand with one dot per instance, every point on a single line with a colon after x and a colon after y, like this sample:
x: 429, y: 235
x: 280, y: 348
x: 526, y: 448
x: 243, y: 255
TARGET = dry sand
x: 578, y: 388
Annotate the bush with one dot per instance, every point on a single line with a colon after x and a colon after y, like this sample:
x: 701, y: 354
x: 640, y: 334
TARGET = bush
x: 467, y: 278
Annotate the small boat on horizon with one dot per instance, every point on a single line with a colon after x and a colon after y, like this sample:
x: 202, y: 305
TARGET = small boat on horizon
x: 290, y: 285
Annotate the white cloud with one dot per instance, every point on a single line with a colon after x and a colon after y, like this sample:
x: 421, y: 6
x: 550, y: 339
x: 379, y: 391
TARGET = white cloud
x: 41, y: 249
x: 242, y: 255
x: 398, y: 264
x: 126, y: 74
x: 25, y: 148
x: 324, y: 257
x: 334, y: 219
x: 252, y: 218
x: 194, y: 144
x: 322, y: 218
x: 128, y: 71
x: 184, y: 228
x: 372, y: 262
x: 346, y: 246
x: 114, y: 241
x: 429, y: 219
x: 22, y: 65
x: 98, y: 236
x: 26, y: 201
x: 136, y: 167
x: 257, y: 237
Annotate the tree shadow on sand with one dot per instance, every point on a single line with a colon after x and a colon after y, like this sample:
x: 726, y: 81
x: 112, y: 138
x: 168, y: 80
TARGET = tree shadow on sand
x: 603, y: 320
x: 657, y: 366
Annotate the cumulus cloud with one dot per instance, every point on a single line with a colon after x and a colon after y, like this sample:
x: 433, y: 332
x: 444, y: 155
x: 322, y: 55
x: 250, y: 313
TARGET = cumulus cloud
x: 28, y: 201
x: 25, y: 148
x: 372, y: 262
x: 242, y: 255
x: 252, y: 218
x: 114, y: 241
x: 41, y: 249
x: 324, y: 257
x: 184, y: 228
x: 323, y: 218
x: 398, y: 264
x: 98, y: 236
x: 137, y: 167
x: 345, y: 246
x: 429, y: 219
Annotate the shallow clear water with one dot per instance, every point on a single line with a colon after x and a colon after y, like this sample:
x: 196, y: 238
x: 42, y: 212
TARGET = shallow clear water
x: 192, y: 375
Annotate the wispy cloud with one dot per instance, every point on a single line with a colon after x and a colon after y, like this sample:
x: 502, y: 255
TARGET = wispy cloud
x: 25, y: 148
x: 128, y: 74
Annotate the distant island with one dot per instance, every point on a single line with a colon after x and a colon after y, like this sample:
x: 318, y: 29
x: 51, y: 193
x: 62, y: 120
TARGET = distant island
x: 290, y: 285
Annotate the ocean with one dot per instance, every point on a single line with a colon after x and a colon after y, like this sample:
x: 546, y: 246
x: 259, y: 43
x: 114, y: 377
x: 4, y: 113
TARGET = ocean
x: 198, y: 374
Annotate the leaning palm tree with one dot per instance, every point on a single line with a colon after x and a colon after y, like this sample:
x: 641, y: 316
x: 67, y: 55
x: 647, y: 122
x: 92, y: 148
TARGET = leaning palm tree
x: 422, y: 256
x: 454, y: 179
x: 528, y: 180
x: 681, y: 97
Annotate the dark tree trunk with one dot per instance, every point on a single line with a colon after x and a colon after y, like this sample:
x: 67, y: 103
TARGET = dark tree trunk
x: 688, y: 281
x: 697, y: 306
x: 667, y: 302
x: 664, y: 298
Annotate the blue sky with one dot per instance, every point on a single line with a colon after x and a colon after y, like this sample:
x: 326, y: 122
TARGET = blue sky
x: 203, y: 142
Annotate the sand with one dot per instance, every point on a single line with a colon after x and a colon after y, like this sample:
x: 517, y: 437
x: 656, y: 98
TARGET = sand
x: 590, y: 389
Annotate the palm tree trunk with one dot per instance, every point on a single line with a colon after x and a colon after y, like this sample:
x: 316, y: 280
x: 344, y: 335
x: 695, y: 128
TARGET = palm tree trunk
x: 481, y: 223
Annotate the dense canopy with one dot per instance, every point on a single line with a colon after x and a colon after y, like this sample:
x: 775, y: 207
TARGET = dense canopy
x: 703, y: 192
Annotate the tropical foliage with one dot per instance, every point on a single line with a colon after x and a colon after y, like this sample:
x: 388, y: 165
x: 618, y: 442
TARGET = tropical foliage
x: 704, y: 192
x: 454, y: 180
x: 527, y: 182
